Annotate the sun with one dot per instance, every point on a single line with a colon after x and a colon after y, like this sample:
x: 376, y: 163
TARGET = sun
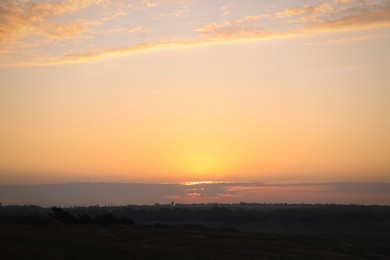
x: 203, y: 158
x: 202, y: 164
x: 205, y: 166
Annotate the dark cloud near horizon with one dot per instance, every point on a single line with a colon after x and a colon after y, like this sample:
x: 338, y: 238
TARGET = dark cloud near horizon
x: 135, y: 193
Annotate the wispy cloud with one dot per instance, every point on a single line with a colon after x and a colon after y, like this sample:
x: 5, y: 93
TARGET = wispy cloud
x: 19, y: 19
x: 115, y: 15
x: 177, y: 13
x: 93, y: 55
x: 63, y: 31
x: 26, y: 26
x: 138, y: 29
x: 308, y: 19
x: 307, y: 13
x: 224, y: 10
x: 149, y: 4
x: 372, y: 17
x: 342, y: 1
x: 247, y: 27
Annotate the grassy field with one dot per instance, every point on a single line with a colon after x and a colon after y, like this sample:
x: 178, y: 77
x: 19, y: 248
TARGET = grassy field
x: 40, y: 236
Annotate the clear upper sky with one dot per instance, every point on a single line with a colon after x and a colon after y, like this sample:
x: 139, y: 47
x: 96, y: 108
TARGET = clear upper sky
x: 179, y: 90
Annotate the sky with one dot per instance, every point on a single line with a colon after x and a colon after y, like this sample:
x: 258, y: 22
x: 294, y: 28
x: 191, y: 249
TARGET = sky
x: 172, y: 91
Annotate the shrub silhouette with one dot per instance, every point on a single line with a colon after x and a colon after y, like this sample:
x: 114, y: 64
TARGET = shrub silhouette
x: 85, y: 219
x: 106, y: 219
x: 126, y: 221
x: 63, y: 216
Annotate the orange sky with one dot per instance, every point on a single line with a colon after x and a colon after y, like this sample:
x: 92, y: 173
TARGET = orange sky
x: 172, y: 91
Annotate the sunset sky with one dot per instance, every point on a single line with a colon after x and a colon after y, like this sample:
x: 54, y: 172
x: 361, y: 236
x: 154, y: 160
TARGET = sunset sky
x: 169, y: 91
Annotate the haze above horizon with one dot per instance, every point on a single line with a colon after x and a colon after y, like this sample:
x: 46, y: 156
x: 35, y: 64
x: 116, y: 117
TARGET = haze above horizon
x: 179, y: 91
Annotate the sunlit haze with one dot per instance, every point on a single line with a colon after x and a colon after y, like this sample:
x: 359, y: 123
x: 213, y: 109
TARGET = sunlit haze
x: 179, y: 91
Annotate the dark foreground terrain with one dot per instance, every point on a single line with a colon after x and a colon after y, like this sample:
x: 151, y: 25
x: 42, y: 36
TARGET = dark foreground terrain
x: 216, y: 232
